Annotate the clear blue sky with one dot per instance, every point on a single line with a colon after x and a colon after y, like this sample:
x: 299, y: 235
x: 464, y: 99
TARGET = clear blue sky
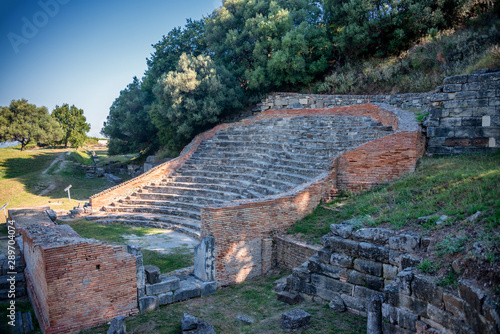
x: 83, y: 52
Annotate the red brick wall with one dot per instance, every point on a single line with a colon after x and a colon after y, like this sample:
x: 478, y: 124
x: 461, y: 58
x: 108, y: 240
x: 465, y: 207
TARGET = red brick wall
x: 292, y: 253
x: 164, y: 170
x: 240, y: 227
x: 379, y: 161
x: 80, y: 284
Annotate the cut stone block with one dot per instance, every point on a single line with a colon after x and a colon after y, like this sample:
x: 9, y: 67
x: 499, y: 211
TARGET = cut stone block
x: 204, y: 260
x: 117, y: 326
x: 148, y: 303
x: 166, y: 298
x: 152, y: 274
x: 165, y: 285
x: 296, y: 319
x: 193, y: 325
x: 288, y: 297
x: 187, y: 290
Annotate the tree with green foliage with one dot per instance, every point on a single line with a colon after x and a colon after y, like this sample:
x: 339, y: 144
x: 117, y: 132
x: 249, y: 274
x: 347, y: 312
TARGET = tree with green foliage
x: 268, y: 44
x: 128, y: 124
x: 25, y: 122
x: 188, y: 39
x: 192, y: 99
x: 380, y: 27
x: 73, y: 124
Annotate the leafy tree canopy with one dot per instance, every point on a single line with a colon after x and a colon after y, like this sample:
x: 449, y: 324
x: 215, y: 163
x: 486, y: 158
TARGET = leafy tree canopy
x: 268, y: 44
x: 25, y: 122
x: 73, y: 124
x: 192, y: 98
x: 128, y: 124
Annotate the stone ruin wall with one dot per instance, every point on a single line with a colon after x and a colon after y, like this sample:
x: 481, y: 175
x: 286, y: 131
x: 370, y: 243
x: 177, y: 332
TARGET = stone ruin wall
x: 76, y: 283
x: 463, y: 113
x: 354, y: 267
x: 242, y: 228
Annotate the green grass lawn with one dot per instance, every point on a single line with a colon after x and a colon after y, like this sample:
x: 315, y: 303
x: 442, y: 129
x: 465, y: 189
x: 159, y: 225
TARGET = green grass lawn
x: 453, y: 186
x: 179, y: 257
x: 253, y: 299
x: 22, y: 181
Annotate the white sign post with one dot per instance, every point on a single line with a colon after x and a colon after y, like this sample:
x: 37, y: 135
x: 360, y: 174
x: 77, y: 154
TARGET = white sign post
x: 4, y: 211
x: 67, y: 189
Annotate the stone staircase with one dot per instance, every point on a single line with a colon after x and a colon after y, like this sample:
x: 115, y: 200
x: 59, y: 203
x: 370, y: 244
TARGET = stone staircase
x: 266, y: 157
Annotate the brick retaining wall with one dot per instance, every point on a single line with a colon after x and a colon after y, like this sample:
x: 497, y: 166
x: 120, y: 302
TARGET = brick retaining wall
x: 76, y: 283
x: 289, y: 253
x: 240, y: 227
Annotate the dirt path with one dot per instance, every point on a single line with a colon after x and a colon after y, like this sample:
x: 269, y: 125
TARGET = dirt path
x: 47, y: 177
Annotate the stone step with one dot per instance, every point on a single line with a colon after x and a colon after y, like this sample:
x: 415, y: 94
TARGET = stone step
x: 281, y: 157
x: 200, y: 192
x: 293, y: 136
x: 170, y: 211
x: 177, y: 198
x: 133, y: 201
x: 249, y: 170
x: 280, y: 184
x: 250, y: 190
x: 256, y: 160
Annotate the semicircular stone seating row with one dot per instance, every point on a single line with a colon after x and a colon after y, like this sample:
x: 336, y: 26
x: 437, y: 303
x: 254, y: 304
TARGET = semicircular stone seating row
x: 267, y: 157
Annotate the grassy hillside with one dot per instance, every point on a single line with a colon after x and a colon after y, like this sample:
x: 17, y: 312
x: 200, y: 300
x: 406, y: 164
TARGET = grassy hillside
x: 422, y: 67
x: 38, y: 177
x: 455, y: 201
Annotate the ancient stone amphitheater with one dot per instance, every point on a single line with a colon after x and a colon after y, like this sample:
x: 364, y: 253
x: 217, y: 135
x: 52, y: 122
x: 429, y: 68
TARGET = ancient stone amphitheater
x: 265, y: 161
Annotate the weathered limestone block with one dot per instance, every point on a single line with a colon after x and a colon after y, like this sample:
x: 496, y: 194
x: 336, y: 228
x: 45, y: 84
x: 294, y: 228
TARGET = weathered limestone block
x: 148, y: 303
x: 324, y: 255
x: 207, y: 288
x: 407, y: 261
x: 452, y: 88
x: 341, y: 260
x: 167, y: 284
x: 152, y: 274
x: 325, y: 269
x: 366, y: 294
x: 390, y: 272
x: 337, y: 303
x: 330, y: 284
x: 374, y: 319
x: 204, y: 260
x: 426, y: 289
x: 295, y: 319
x: 343, y: 230
x: 454, y: 305
x: 187, y: 290
x: 355, y: 303
x: 379, y: 235
x: 342, y: 246
x: 299, y: 285
x: 193, y: 325
x: 471, y: 294
x: 446, y: 320
x: 166, y: 298
x: 403, y: 281
x: 303, y: 272
x: 368, y: 267
x: 409, y: 242
x: 288, y: 297
x: 117, y: 326
x: 372, y: 252
x: 371, y: 282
